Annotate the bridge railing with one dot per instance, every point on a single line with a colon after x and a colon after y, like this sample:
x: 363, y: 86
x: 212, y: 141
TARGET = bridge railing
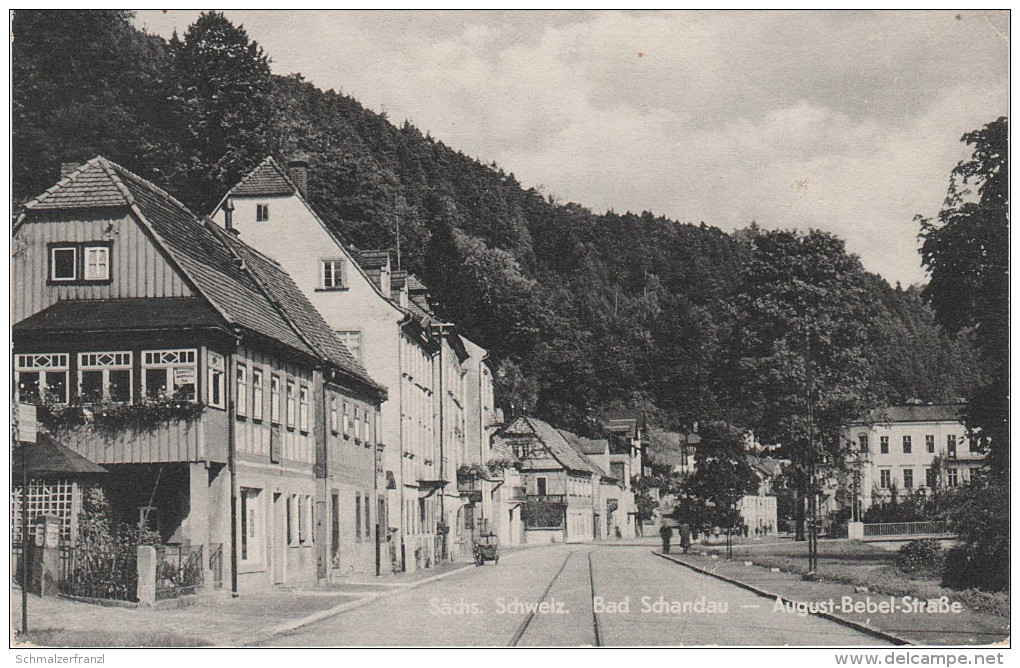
x: 937, y: 527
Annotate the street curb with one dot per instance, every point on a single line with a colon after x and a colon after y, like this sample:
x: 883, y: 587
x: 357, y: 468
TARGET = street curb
x: 287, y: 627
x: 857, y: 626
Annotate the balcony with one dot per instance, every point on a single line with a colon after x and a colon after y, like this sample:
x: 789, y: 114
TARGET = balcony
x: 547, y: 498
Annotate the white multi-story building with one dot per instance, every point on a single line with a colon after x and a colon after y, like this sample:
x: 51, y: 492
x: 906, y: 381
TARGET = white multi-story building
x: 384, y: 316
x: 903, y: 449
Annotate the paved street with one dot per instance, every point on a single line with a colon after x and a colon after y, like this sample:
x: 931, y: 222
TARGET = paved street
x: 487, y: 606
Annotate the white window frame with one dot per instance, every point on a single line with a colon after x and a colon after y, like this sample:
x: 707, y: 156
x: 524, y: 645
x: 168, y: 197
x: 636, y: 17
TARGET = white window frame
x: 292, y: 527
x: 241, y: 404
x: 217, y: 374
x: 349, y: 336
x: 335, y: 277
x: 53, y: 263
x: 122, y: 361
x: 43, y: 364
x: 303, y: 409
x: 251, y: 527
x: 262, y: 212
x: 357, y: 425
x: 885, y: 481
x: 291, y: 405
x: 904, y: 474
x: 170, y: 360
x: 952, y: 477
x: 87, y: 253
x: 334, y: 416
x: 306, y: 527
x: 274, y: 399
x: 258, y: 393
x: 347, y: 420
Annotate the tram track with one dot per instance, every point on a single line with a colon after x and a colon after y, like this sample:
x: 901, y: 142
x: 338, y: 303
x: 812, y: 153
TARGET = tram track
x: 526, y: 624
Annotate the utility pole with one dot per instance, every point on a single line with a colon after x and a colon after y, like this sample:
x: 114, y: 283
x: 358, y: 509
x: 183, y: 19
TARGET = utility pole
x: 812, y: 466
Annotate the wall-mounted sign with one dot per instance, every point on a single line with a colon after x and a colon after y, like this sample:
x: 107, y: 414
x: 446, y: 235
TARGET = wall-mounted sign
x: 26, y: 423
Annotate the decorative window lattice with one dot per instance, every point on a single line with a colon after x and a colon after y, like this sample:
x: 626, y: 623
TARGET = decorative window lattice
x: 50, y: 361
x: 167, y: 357
x: 61, y: 499
x: 104, y: 360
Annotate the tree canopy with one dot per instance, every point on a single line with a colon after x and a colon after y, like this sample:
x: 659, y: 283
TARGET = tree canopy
x: 966, y: 251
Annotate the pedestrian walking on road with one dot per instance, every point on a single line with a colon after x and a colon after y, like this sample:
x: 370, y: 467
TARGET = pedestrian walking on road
x: 685, y: 536
x: 667, y: 535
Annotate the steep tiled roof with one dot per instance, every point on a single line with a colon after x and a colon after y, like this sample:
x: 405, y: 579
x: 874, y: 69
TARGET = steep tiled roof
x: 255, y: 294
x: 295, y: 306
x: 267, y: 180
x: 204, y: 258
x: 89, y: 186
x: 587, y: 446
x: 415, y: 284
x: 916, y: 413
x: 371, y: 259
x: 502, y: 450
x: 78, y: 315
x: 556, y: 444
x: 623, y: 422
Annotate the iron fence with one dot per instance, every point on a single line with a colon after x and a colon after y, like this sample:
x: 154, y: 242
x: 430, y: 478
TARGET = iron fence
x: 107, y: 574
x: 937, y: 527
x: 179, y: 570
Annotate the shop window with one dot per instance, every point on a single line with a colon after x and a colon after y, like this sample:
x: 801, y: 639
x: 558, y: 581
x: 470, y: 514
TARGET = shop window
x: 169, y: 373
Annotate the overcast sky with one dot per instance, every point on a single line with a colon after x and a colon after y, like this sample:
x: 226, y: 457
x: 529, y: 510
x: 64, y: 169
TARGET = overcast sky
x: 844, y: 121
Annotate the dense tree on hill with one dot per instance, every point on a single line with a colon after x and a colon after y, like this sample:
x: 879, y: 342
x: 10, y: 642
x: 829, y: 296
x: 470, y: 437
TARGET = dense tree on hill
x: 83, y: 83
x: 221, y: 115
x: 582, y: 311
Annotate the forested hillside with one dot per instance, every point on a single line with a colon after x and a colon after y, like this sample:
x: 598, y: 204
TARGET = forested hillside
x: 582, y: 311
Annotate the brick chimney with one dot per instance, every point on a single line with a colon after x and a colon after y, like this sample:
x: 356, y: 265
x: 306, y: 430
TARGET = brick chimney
x: 67, y: 168
x: 297, y: 170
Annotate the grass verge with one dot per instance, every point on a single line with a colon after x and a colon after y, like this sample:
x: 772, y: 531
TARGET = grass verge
x: 862, y: 565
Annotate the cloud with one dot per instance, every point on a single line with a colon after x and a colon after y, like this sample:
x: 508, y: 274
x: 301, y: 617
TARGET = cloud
x: 845, y: 121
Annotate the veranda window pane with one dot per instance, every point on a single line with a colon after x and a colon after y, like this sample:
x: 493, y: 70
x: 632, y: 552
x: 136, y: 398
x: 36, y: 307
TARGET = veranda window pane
x: 28, y: 386
x: 120, y: 385
x: 92, y: 386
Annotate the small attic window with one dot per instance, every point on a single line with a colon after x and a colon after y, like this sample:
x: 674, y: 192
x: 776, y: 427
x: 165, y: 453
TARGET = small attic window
x: 261, y: 212
x: 64, y: 264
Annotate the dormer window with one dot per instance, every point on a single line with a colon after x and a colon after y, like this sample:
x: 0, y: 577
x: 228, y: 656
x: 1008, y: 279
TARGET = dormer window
x: 261, y: 212
x: 80, y: 263
x: 332, y: 272
x: 64, y: 264
x: 97, y: 263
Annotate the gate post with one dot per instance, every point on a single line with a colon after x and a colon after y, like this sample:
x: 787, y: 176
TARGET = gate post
x: 146, y: 575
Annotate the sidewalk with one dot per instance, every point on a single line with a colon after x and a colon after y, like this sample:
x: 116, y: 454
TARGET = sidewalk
x: 207, y: 620
x: 966, y: 628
